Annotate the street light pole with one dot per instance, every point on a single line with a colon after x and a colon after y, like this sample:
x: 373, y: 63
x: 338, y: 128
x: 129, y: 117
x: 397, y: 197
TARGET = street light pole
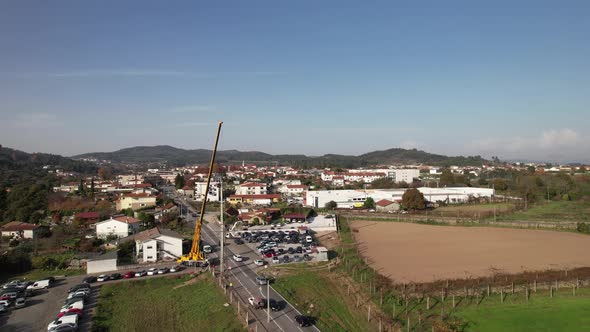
x: 267, y: 301
x: 222, y: 225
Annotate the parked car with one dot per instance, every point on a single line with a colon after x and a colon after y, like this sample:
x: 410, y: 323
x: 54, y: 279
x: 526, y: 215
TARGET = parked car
x: 75, y: 299
x: 72, y: 311
x: 259, y: 262
x: 11, y: 295
x: 152, y: 271
x: 40, y: 284
x: 304, y: 320
x: 306, y: 257
x: 103, y: 277
x: 176, y: 268
x: 79, y: 293
x: 115, y: 276
x: 76, y: 305
x: 275, y: 260
x: 297, y: 258
x: 79, y: 286
x: 129, y: 274
x: 163, y: 270
x: 5, y: 303
x: 238, y: 258
x: 3, y: 309
x: 270, y: 254
x: 291, y: 251
x: 140, y: 273
x: 89, y: 279
x: 207, y: 249
x: 239, y: 241
x: 70, y: 321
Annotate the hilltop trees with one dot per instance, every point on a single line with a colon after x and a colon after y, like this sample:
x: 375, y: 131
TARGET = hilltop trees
x: 179, y: 181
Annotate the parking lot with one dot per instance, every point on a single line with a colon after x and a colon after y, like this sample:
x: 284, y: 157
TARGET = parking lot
x: 43, y: 307
x: 280, y: 247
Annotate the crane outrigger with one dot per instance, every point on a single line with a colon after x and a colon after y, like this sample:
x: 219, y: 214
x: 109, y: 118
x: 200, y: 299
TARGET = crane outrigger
x: 196, y: 255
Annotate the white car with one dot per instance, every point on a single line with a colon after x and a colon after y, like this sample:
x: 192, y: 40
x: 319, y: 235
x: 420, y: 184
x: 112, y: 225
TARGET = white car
x: 80, y: 292
x: 175, y: 269
x: 75, y: 305
x: 259, y: 262
x: 238, y: 258
x: 140, y: 273
x: 67, y: 320
x: 152, y: 271
x: 5, y: 303
x: 103, y: 277
x: 3, y: 308
x: 276, y: 260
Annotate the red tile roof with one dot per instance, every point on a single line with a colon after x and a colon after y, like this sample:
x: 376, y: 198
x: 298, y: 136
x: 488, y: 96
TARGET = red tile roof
x: 138, y: 195
x: 384, y: 203
x: 18, y: 226
x: 253, y: 184
x: 127, y: 220
x: 296, y: 186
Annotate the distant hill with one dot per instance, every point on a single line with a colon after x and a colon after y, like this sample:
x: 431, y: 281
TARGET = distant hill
x: 17, y: 166
x: 178, y: 157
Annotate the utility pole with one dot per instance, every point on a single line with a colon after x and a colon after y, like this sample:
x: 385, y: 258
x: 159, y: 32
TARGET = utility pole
x: 221, y: 258
x: 268, y: 301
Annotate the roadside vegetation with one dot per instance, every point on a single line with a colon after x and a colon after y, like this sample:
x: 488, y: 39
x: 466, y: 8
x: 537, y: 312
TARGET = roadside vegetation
x: 321, y: 295
x: 155, y: 305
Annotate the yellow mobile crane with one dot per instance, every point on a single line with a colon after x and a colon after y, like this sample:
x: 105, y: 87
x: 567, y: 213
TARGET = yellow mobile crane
x: 196, y: 254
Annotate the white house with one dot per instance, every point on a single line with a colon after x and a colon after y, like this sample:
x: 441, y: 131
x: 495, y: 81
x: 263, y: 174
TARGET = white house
x: 119, y: 226
x: 214, y: 194
x: 19, y: 229
x: 157, y: 244
x: 293, y: 189
x: 251, y: 188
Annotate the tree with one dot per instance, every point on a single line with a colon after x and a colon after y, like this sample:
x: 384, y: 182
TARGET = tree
x: 413, y: 199
x: 369, y: 203
x: 179, y: 181
x: 104, y: 173
x: 446, y: 178
x: 331, y: 205
x: 92, y: 188
x: 81, y: 188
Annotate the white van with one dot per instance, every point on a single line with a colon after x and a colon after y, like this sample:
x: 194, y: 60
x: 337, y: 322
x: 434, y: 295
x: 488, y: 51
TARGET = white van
x: 207, y: 249
x: 75, y: 305
x: 41, y: 284
x: 71, y: 320
x: 308, y: 239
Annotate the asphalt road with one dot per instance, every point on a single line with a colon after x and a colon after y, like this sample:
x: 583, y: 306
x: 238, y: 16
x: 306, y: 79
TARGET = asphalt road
x: 243, y: 276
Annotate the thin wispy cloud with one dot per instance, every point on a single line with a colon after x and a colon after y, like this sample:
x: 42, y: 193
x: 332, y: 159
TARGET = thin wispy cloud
x: 116, y: 73
x: 193, y: 124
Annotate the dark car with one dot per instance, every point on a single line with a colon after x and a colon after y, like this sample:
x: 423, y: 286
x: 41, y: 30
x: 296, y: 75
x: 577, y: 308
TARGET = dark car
x: 238, y: 241
x: 304, y: 320
x: 116, y: 276
x: 275, y: 305
x: 291, y: 250
x: 299, y: 250
x: 89, y: 279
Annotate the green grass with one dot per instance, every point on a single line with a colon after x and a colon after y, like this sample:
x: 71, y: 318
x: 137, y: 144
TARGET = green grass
x: 553, y: 211
x: 153, y: 305
x: 474, y: 208
x: 563, y: 312
x: 316, y: 294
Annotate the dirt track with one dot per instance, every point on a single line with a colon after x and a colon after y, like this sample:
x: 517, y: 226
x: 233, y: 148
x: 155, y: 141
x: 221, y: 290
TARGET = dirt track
x: 422, y: 253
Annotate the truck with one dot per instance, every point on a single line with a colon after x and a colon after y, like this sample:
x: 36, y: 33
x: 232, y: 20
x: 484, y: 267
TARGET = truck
x: 39, y: 284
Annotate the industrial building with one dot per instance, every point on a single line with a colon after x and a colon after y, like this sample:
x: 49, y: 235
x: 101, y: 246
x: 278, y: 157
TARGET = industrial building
x: 356, y: 198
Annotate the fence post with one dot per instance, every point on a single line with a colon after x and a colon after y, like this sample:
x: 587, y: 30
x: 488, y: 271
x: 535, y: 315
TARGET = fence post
x: 501, y: 296
x: 428, y: 303
x: 550, y: 291
x: 574, y: 290
x: 535, y: 285
x: 369, y: 314
x: 526, y: 294
x: 489, y: 289
x: 247, y: 320
x: 238, y: 307
x: 453, y: 300
x: 408, y: 327
x: 513, y: 287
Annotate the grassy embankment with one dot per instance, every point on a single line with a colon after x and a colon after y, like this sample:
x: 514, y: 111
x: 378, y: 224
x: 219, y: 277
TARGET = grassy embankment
x: 319, y: 294
x: 154, y: 305
x: 555, y: 211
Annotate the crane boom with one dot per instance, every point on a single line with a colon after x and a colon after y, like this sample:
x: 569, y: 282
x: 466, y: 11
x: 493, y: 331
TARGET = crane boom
x: 195, y: 254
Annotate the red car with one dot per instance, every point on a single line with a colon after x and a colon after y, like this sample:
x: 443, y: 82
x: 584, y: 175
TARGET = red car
x: 270, y: 254
x: 72, y: 311
x: 129, y: 274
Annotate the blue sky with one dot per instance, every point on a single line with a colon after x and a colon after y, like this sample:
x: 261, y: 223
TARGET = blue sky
x: 309, y: 77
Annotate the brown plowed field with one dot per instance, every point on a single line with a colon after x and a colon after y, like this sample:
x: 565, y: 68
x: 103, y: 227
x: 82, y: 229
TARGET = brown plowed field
x: 423, y: 253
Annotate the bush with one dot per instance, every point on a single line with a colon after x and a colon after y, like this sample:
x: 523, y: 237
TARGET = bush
x: 582, y: 227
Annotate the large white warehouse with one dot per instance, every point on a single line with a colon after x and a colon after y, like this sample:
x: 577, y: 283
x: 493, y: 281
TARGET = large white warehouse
x: 352, y: 198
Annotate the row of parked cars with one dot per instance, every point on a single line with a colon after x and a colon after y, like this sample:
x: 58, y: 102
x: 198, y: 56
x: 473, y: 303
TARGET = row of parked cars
x: 14, y: 293
x: 73, y: 308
